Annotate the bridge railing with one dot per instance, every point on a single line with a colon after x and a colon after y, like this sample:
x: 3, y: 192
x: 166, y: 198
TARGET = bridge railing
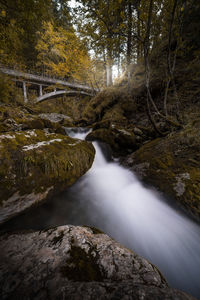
x: 44, y: 73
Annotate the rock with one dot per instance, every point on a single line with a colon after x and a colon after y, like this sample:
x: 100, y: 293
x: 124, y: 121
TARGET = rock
x: 123, y: 290
x: 57, y: 118
x: 104, y: 135
x: 105, y: 106
x: 72, y: 262
x: 16, y: 119
x: 121, y: 141
x: 138, y: 131
x: 146, y: 132
x: 172, y: 164
x: 34, y: 163
x: 102, y: 124
x: 35, y: 122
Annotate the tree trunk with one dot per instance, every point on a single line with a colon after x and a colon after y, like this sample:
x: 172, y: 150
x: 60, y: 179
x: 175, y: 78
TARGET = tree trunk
x: 105, y: 68
x: 129, y: 39
x: 138, y: 31
x: 147, y: 69
x: 109, y: 81
x: 170, y: 65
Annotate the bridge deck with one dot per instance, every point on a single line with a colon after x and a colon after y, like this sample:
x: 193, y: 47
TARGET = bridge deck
x: 44, y: 80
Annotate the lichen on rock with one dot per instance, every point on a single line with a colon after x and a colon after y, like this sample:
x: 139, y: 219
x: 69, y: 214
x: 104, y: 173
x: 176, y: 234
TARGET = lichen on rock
x: 72, y: 262
x: 179, y: 186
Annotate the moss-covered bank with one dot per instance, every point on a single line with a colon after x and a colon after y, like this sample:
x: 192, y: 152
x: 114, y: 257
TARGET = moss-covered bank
x: 172, y: 164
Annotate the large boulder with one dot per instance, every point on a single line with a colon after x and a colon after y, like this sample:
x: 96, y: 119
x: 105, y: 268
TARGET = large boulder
x: 57, y: 118
x: 106, y: 106
x: 34, y: 163
x: 121, y: 141
x: 172, y: 164
x: 71, y: 262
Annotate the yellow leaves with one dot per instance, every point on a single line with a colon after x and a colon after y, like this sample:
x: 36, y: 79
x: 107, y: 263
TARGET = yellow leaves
x: 62, y: 52
x: 122, y: 15
x: 3, y: 13
x: 12, y: 22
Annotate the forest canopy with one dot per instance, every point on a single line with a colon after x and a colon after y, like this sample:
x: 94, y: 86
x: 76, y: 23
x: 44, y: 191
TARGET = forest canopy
x: 84, y: 41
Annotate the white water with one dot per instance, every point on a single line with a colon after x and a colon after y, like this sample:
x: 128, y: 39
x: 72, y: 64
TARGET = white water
x: 137, y: 217
x: 112, y: 199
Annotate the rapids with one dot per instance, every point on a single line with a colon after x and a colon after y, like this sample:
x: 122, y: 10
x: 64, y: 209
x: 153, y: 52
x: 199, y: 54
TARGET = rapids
x: 112, y: 199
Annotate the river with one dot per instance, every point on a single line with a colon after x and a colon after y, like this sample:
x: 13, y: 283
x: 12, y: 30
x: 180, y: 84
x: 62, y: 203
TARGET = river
x: 112, y: 199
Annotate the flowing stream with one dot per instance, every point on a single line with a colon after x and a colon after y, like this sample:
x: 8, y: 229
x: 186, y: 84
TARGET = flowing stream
x: 112, y: 199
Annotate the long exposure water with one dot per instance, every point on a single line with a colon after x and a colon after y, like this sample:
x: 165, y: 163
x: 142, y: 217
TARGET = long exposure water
x: 111, y: 198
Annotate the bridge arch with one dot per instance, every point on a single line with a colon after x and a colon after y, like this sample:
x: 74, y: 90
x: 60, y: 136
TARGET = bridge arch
x: 55, y: 94
x: 39, y: 81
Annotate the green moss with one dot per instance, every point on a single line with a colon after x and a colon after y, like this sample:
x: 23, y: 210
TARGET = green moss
x: 3, y: 127
x: 59, y: 163
x: 97, y: 109
x: 169, y: 159
x: 104, y: 135
x: 82, y: 266
x: 119, y: 139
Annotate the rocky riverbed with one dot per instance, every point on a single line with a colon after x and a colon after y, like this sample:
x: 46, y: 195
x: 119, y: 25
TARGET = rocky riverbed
x: 38, y: 160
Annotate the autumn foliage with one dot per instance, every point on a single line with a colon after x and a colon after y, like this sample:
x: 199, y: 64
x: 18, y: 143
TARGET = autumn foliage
x: 62, y: 53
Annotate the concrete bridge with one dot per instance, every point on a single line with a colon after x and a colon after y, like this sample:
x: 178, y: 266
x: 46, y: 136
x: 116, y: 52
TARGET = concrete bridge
x: 31, y: 81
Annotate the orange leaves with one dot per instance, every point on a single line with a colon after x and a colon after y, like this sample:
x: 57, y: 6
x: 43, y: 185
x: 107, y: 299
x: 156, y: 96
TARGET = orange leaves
x: 62, y: 52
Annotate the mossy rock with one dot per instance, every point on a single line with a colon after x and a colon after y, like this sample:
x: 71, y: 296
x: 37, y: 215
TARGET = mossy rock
x: 82, y: 266
x: 102, y: 124
x: 17, y: 119
x: 172, y: 164
x: 34, y: 163
x: 105, y: 106
x: 56, y: 118
x: 104, y: 135
x: 120, y: 140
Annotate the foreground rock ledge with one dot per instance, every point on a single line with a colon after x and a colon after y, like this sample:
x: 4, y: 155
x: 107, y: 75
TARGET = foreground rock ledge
x: 72, y: 262
x: 34, y: 163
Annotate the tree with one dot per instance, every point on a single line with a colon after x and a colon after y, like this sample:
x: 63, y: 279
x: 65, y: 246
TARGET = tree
x: 19, y: 22
x: 146, y: 44
x: 62, y: 14
x: 62, y: 53
x: 100, y: 22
